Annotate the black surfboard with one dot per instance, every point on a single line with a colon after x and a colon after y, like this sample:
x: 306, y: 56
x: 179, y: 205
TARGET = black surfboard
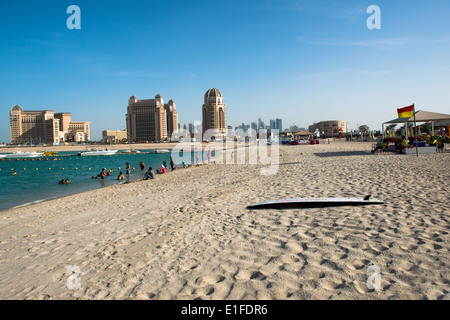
x: 314, y: 203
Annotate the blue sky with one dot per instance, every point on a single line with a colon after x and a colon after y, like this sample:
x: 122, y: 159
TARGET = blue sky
x: 299, y: 60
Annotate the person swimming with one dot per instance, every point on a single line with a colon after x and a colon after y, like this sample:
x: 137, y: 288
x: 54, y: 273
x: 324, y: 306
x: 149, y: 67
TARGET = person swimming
x: 120, y: 176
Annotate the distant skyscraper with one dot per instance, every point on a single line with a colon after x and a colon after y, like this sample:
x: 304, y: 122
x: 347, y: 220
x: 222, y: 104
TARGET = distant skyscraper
x: 214, y: 112
x: 276, y: 124
x: 150, y: 119
x: 279, y: 124
x: 273, y: 125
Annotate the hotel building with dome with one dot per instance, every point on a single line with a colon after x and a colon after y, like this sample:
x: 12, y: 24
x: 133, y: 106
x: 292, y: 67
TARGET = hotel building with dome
x: 214, y: 113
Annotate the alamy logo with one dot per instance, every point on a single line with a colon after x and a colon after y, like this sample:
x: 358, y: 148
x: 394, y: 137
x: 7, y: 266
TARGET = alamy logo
x: 236, y: 147
x: 73, y: 282
x: 374, y: 281
x: 74, y: 21
x: 374, y: 21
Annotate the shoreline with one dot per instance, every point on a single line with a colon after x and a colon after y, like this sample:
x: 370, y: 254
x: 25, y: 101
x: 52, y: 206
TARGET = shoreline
x: 27, y: 204
x: 82, y: 147
x: 188, y: 235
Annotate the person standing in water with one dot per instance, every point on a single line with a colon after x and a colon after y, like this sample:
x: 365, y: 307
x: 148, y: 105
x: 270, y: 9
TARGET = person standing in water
x: 128, y: 171
x: 101, y: 175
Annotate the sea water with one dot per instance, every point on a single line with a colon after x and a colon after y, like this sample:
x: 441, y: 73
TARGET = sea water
x: 37, y: 181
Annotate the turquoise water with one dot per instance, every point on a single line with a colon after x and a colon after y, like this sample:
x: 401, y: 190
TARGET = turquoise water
x: 38, y: 180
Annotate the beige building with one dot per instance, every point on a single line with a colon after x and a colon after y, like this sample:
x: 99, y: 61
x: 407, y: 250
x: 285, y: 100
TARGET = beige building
x: 33, y: 126
x: 79, y: 130
x: 150, y: 119
x: 172, y: 118
x: 45, y: 126
x: 72, y: 131
x: 64, y: 120
x: 329, y: 128
x: 114, y: 136
x: 214, y: 112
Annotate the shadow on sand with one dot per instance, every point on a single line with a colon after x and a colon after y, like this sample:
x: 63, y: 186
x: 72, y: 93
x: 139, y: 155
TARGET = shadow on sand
x: 343, y: 153
x: 288, y: 163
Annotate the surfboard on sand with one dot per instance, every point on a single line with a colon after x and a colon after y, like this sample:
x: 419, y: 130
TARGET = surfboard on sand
x: 314, y: 203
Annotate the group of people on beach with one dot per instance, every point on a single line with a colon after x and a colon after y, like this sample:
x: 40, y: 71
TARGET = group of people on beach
x: 403, y: 143
x: 400, y: 145
x: 149, y: 174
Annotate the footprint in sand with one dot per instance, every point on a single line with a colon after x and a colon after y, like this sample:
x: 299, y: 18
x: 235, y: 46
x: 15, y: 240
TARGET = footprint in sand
x: 246, y: 275
x: 210, y: 279
x: 358, y: 264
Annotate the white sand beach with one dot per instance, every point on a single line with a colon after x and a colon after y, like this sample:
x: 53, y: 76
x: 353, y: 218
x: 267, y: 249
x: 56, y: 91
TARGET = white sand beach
x: 188, y: 235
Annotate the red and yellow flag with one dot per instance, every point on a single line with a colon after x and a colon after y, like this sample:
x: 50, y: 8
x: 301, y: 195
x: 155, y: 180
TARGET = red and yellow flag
x: 406, y: 112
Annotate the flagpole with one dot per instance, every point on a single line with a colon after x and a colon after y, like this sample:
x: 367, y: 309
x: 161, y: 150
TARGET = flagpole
x: 415, y: 127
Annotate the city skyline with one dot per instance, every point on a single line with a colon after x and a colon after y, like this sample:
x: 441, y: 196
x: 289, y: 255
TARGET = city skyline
x: 300, y: 61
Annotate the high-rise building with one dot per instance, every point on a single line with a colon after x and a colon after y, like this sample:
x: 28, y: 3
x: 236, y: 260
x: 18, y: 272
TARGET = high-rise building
x: 276, y: 124
x: 214, y: 113
x: 33, y: 126
x: 272, y: 124
x: 150, y: 119
x: 172, y: 118
x: 46, y: 126
x: 279, y: 124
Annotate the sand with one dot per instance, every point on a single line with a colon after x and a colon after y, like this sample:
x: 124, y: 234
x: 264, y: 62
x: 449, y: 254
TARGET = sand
x: 188, y: 234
